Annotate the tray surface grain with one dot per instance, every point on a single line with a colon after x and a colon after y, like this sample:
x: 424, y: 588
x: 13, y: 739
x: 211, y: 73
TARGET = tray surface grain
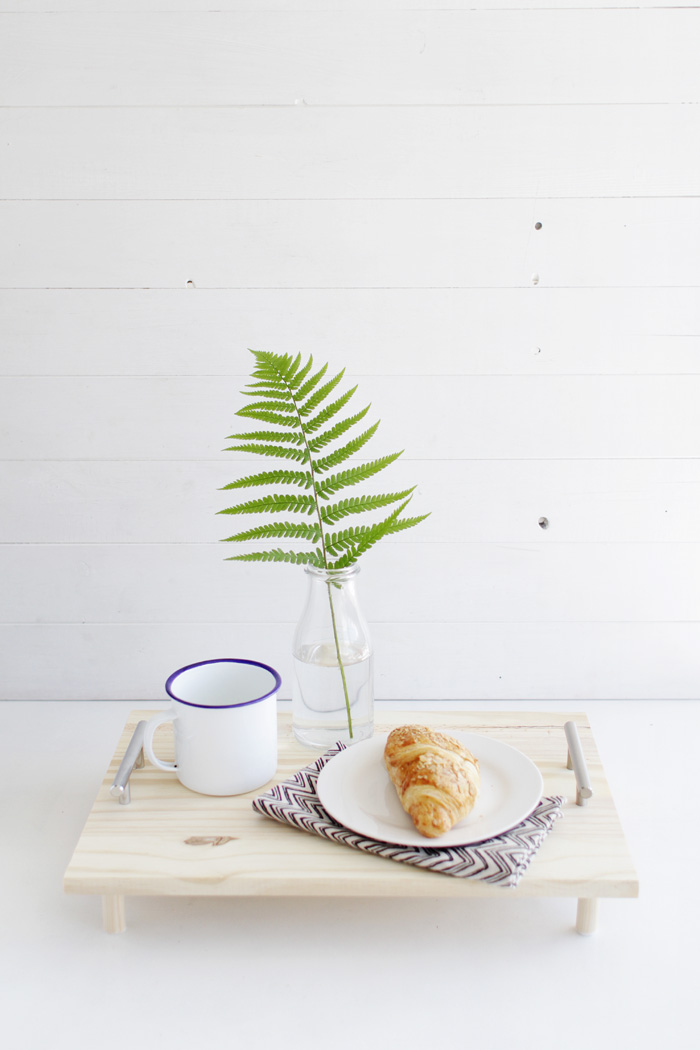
x: 171, y: 841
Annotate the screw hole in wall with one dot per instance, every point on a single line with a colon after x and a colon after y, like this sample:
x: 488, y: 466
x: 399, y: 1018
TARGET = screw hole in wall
x: 543, y: 523
x: 538, y: 225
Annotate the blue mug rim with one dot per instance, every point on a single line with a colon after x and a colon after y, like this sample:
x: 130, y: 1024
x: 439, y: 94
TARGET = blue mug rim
x: 222, y: 660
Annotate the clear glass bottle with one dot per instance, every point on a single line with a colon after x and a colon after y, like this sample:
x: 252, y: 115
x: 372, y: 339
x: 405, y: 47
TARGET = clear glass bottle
x: 333, y: 687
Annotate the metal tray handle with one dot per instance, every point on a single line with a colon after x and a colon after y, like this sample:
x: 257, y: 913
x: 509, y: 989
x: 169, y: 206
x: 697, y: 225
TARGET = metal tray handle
x: 133, y: 759
x: 577, y: 762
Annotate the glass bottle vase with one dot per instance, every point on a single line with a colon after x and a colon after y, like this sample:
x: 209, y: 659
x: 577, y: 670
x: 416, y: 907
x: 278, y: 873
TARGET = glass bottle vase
x: 333, y: 686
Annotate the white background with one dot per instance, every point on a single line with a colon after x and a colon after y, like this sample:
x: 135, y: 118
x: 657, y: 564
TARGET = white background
x: 360, y: 181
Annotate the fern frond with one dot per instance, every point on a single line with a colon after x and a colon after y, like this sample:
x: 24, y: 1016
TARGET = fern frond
x: 276, y: 385
x: 253, y: 412
x: 282, y: 530
x: 290, y: 396
x: 275, y: 366
x: 295, y: 557
x: 303, y: 478
x: 337, y: 542
x: 372, y: 537
x: 341, y: 454
x: 320, y: 395
x: 405, y: 523
x: 328, y: 486
x: 351, y: 543
x: 267, y: 406
x: 274, y: 504
x: 360, y: 504
x: 317, y: 443
x: 309, y: 385
x: 359, y: 538
x: 328, y: 412
x: 365, y: 536
x: 269, y: 376
x: 267, y: 435
x: 271, y: 393
x: 294, y: 398
x: 299, y: 377
x: 299, y: 455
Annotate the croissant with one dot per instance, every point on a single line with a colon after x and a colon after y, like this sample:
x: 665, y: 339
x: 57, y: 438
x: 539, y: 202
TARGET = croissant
x: 437, y: 779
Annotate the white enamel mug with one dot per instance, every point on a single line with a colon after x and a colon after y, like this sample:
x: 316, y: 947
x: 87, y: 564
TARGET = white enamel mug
x: 224, y: 715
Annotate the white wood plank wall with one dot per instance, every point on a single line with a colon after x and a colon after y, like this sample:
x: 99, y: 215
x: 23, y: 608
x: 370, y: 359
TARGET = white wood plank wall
x: 489, y: 213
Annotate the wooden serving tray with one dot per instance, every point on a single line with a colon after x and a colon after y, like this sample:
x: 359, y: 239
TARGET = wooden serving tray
x: 169, y: 841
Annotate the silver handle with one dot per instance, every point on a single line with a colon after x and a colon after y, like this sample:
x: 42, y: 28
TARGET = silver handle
x: 133, y: 759
x: 577, y: 762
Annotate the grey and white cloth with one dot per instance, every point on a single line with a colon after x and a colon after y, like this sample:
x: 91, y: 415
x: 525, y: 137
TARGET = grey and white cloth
x: 501, y: 861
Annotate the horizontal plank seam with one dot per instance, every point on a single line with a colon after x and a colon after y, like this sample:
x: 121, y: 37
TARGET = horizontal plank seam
x: 525, y: 545
x: 357, y: 105
x: 405, y: 459
x: 184, y: 289
x: 229, y: 376
x: 445, y: 197
x: 338, y: 288
x: 291, y: 623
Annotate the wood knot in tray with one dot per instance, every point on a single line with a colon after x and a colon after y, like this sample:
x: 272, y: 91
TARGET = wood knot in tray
x: 209, y: 840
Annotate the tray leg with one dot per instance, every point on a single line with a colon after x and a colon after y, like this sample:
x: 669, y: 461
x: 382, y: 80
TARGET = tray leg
x: 587, y: 915
x: 113, y: 913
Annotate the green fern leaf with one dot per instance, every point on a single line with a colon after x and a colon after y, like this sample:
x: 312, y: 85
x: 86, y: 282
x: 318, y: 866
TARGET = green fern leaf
x: 366, y: 536
x: 266, y: 359
x: 303, y: 478
x: 341, y: 454
x: 294, y: 367
x: 347, y: 539
x: 320, y: 395
x: 362, y: 543
x: 293, y: 397
x: 310, y: 384
x: 274, y: 504
x: 328, y: 486
x: 275, y: 366
x: 298, y: 378
x: 353, y: 543
x: 328, y: 412
x: 405, y: 523
x: 277, y: 386
x: 359, y: 538
x: 267, y: 406
x: 300, y: 455
x: 321, y: 440
x: 267, y: 435
x: 271, y: 394
x: 270, y: 377
x: 295, y: 557
x: 360, y: 504
x: 283, y: 530
x: 289, y: 395
x: 269, y: 417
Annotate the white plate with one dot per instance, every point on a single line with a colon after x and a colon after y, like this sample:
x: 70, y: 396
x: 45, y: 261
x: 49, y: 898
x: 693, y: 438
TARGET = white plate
x: 354, y: 788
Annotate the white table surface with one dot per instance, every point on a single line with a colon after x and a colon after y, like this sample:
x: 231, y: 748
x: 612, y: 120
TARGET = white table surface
x: 297, y: 973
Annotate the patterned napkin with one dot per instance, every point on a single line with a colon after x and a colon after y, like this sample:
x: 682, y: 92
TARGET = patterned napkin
x: 502, y: 860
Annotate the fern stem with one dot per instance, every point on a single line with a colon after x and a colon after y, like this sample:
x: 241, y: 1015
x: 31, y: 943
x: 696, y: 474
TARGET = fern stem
x: 340, y: 662
x: 325, y: 560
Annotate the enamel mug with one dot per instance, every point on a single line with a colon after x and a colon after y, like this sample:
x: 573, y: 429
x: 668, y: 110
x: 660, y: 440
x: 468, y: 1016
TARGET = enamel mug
x: 224, y: 715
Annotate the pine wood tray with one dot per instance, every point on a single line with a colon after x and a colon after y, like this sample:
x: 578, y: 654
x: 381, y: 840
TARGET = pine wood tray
x: 169, y: 841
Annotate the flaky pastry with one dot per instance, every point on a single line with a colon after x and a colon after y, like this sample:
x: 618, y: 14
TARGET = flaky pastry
x: 436, y: 778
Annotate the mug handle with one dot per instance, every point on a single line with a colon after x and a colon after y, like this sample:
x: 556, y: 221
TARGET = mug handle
x: 151, y: 726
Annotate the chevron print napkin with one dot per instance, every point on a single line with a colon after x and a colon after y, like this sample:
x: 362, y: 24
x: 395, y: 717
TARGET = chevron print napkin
x: 501, y: 861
